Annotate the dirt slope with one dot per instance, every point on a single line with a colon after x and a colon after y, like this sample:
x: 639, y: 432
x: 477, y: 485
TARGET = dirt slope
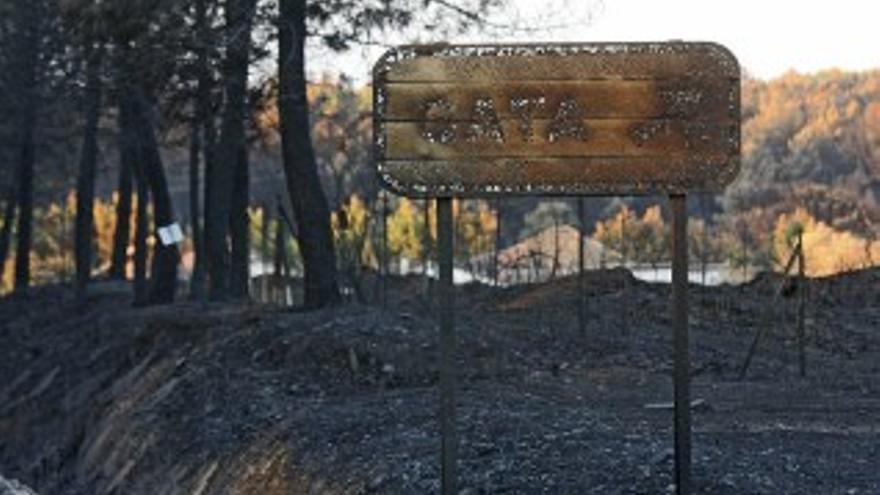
x: 252, y: 399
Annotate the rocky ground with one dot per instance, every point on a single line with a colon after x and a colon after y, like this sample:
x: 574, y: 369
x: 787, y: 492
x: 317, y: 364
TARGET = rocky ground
x: 204, y: 399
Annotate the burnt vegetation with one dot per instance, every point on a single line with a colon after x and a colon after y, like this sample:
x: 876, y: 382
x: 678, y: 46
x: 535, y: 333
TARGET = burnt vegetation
x: 288, y: 343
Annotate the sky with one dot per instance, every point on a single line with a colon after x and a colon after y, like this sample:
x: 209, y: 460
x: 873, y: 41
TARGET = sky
x: 769, y: 37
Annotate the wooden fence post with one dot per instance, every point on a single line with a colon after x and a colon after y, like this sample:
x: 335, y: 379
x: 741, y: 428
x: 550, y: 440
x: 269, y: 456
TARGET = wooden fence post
x: 802, y: 307
x: 582, y: 310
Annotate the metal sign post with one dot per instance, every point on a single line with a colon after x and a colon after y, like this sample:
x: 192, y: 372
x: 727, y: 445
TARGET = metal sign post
x: 681, y: 345
x: 458, y: 121
x: 446, y: 238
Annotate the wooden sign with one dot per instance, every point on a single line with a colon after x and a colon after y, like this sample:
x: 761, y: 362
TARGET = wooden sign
x: 557, y: 119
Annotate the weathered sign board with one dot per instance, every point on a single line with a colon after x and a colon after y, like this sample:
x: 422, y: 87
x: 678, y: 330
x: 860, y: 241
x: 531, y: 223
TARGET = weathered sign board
x: 558, y: 119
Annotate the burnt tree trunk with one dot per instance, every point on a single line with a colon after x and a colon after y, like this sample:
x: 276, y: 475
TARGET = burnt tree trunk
x: 85, y: 183
x: 131, y: 139
x: 130, y: 150
x: 201, y: 142
x: 225, y: 215
x: 238, y: 57
x: 24, y: 230
x: 265, y: 253
x: 197, y: 282
x: 209, y: 146
x: 303, y: 184
x: 163, y: 283
x: 280, y: 250
x: 239, y: 223
x: 122, y: 231
x: 142, y: 226
x: 6, y: 230
x: 25, y: 75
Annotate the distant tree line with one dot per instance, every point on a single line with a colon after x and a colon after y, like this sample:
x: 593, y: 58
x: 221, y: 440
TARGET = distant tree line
x: 220, y: 86
x: 182, y: 70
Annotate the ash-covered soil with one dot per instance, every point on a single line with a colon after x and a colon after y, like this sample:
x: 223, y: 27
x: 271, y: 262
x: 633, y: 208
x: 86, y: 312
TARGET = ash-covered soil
x: 253, y: 399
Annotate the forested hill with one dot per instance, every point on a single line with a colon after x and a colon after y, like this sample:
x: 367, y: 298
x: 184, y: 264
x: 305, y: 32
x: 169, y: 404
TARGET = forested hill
x: 800, y: 131
x: 810, y: 141
x: 819, y: 130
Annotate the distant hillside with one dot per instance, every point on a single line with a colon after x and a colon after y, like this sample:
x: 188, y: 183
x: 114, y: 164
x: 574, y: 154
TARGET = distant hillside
x: 808, y: 140
x: 809, y: 130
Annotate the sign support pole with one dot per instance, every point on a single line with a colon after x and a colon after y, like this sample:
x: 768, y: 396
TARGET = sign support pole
x: 582, y: 231
x: 681, y: 359
x: 447, y: 347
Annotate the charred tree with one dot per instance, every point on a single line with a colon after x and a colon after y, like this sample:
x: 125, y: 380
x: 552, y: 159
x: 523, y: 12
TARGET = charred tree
x: 310, y: 208
x: 24, y: 230
x: 280, y: 251
x: 27, y: 41
x: 239, y: 229
x: 197, y: 282
x: 201, y: 145
x: 6, y: 230
x: 122, y: 230
x: 163, y: 283
x: 130, y: 150
x: 142, y: 226
x: 85, y: 184
x: 238, y: 58
x: 128, y: 165
x: 225, y: 216
x: 209, y: 145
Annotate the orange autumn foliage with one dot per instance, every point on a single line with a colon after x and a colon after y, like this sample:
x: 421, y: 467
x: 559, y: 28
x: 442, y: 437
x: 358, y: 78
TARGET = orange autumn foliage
x: 827, y: 250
